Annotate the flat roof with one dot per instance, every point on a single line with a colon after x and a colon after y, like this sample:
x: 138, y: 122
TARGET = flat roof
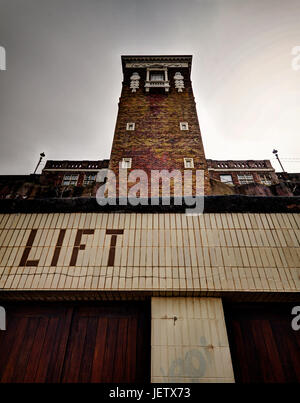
x: 157, y: 58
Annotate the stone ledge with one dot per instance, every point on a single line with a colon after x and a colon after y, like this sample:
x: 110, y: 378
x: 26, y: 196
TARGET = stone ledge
x: 104, y: 295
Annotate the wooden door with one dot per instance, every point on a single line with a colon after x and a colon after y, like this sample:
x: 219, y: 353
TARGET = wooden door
x: 105, y: 342
x: 109, y: 343
x: 264, y: 347
x: 32, y: 348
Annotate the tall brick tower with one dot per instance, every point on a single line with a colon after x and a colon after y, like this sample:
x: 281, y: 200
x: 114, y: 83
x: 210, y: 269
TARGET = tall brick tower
x: 157, y: 126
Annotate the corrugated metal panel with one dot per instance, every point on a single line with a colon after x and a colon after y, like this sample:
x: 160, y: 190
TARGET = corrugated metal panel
x: 211, y: 252
x: 189, y: 341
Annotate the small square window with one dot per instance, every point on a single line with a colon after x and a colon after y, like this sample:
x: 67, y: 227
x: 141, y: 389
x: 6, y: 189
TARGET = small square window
x: 126, y: 163
x: 188, y: 162
x: 184, y: 126
x: 130, y: 126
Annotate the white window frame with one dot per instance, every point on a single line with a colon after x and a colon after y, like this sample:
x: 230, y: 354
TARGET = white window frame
x: 153, y: 83
x: 130, y: 126
x: 184, y: 126
x: 227, y: 182
x: 187, y: 161
x: 153, y: 70
x: 265, y: 179
x: 72, y: 178
x: 244, y: 179
x: 126, y: 163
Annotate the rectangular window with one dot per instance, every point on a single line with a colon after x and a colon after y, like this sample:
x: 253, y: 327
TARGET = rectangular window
x: 244, y: 179
x: 70, y: 180
x: 184, y: 126
x: 266, y: 179
x: 126, y: 163
x: 88, y: 179
x: 157, y: 76
x: 130, y: 126
x: 226, y: 179
x: 188, y: 162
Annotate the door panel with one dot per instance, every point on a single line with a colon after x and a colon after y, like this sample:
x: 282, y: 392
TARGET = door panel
x: 264, y: 347
x: 103, y: 345
x: 33, y: 346
x: 100, y: 342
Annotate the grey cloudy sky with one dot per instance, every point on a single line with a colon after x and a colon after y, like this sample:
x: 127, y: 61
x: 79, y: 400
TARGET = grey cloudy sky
x: 60, y: 91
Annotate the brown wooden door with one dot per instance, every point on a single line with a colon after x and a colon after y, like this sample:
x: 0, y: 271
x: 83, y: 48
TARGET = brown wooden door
x: 263, y: 345
x: 105, y: 342
x: 33, y: 346
x: 108, y: 343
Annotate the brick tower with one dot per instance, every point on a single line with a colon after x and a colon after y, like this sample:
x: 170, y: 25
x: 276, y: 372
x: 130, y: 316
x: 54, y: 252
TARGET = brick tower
x: 157, y: 126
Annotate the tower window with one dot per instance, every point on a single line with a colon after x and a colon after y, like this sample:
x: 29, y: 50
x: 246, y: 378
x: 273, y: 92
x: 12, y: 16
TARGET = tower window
x: 157, y: 76
x: 126, y: 163
x: 130, y: 126
x: 226, y: 179
x: 188, y: 162
x: 70, y: 180
x: 244, y: 179
x: 184, y: 126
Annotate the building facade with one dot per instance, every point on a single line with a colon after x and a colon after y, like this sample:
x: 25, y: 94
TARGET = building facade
x: 59, y: 179
x: 157, y: 126
x: 242, y: 172
x: 148, y: 293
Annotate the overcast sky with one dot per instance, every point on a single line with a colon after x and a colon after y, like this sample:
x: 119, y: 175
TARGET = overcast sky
x: 60, y: 91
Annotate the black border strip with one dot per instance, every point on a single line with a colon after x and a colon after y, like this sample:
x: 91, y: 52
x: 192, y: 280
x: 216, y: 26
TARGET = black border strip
x: 212, y: 204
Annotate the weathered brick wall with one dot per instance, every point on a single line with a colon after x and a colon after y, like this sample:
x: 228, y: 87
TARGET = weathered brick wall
x: 256, y: 168
x: 157, y: 141
x: 234, y: 175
